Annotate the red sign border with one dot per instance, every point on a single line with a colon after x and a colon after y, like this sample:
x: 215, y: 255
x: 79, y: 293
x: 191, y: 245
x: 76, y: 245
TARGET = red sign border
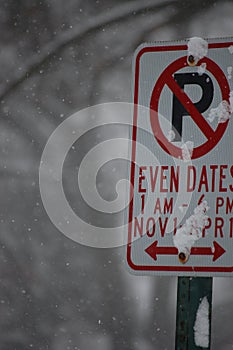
x: 162, y: 140
x: 134, y: 267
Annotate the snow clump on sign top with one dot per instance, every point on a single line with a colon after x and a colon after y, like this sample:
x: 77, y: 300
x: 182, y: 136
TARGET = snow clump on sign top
x: 197, y: 47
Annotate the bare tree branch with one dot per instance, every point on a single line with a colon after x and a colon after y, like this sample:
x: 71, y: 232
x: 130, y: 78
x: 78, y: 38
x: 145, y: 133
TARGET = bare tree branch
x: 179, y: 16
x: 67, y: 38
x: 140, y: 37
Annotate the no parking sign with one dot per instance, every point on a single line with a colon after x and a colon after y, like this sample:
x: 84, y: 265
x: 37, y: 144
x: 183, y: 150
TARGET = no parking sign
x: 186, y: 126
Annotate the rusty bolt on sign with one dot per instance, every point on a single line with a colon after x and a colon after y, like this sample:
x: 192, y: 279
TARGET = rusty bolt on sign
x: 183, y: 256
x: 191, y: 60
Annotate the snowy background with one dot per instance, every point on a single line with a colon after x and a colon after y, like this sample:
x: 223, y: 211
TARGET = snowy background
x: 58, y: 57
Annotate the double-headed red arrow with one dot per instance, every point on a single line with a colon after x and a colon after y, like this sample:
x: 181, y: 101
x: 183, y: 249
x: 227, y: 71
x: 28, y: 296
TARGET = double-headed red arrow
x: 153, y: 250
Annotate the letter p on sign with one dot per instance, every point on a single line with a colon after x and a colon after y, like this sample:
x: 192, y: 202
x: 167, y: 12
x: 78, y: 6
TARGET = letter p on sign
x: 179, y: 110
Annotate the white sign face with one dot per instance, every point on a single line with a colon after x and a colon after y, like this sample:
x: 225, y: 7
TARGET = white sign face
x: 180, y: 218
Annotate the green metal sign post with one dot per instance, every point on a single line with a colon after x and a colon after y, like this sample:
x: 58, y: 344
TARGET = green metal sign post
x: 190, y: 293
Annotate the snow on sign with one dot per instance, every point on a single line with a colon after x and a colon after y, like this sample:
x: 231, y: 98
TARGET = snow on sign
x: 180, y: 217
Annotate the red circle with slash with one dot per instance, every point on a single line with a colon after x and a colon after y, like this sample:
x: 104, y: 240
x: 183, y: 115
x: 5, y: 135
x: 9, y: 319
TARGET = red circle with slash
x: 213, y: 136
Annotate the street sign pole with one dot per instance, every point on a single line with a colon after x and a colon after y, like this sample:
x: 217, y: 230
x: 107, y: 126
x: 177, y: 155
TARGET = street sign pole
x: 190, y: 293
x: 183, y: 184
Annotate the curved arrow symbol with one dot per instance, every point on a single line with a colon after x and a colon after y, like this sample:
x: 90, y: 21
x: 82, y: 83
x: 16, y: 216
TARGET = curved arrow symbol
x: 217, y: 251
